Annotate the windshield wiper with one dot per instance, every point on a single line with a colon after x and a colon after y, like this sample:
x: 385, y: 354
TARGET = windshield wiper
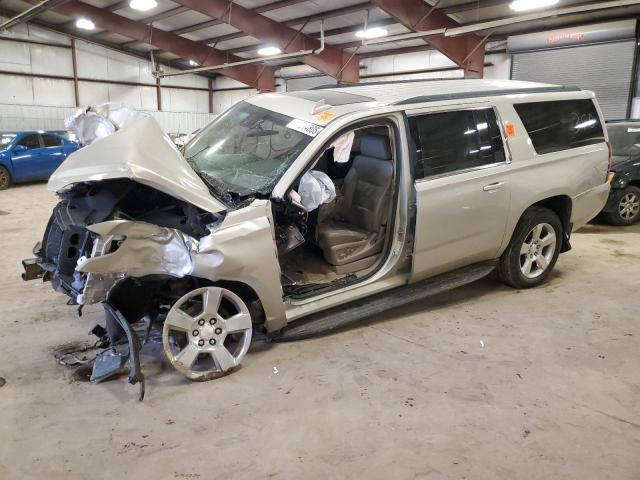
x: 220, y: 190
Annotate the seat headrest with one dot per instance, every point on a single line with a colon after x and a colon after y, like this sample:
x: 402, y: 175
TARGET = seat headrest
x: 376, y: 146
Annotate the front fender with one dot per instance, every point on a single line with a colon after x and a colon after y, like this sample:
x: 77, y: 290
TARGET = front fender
x: 241, y: 249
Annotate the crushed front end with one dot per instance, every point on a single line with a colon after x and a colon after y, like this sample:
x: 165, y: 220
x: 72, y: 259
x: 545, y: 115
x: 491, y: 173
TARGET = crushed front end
x: 146, y: 241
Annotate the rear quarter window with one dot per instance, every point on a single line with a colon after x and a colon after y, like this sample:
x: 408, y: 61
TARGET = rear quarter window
x: 561, y: 125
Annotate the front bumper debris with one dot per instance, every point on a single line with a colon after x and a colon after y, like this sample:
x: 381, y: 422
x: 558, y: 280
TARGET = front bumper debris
x: 32, y: 269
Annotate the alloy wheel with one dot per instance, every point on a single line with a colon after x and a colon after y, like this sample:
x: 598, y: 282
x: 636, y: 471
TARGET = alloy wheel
x: 629, y: 206
x: 207, y: 333
x: 4, y: 179
x: 537, y: 250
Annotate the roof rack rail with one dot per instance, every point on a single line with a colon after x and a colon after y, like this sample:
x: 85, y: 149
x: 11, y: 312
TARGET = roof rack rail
x: 623, y: 120
x: 485, y: 93
x: 384, y: 82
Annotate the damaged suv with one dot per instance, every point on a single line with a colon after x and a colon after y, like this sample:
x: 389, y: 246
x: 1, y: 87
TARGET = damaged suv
x: 294, y: 213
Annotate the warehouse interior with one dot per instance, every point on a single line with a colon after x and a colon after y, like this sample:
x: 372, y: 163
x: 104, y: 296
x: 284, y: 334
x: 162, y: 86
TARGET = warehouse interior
x: 483, y: 381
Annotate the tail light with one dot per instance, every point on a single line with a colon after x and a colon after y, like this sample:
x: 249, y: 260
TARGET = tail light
x: 610, y: 174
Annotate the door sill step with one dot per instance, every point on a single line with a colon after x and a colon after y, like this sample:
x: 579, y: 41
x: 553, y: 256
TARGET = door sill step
x: 343, y: 315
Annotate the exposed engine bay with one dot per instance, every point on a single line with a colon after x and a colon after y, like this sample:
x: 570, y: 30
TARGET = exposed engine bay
x: 73, y: 240
x: 68, y: 239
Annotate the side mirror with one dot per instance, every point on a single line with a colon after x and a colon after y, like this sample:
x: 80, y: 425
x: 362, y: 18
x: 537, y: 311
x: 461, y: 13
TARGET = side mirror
x: 20, y: 148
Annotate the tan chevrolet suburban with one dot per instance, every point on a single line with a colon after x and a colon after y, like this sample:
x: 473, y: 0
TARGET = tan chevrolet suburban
x: 294, y: 213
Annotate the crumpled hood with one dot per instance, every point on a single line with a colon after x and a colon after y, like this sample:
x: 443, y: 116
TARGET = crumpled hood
x: 142, y: 152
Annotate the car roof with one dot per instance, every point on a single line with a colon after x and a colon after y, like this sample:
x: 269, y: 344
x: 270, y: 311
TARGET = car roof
x: 34, y: 132
x: 629, y: 121
x: 406, y: 91
x: 311, y: 105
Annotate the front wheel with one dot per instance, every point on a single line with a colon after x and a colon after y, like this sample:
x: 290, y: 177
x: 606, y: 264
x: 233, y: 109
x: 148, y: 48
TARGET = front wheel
x: 207, y: 333
x: 533, y: 250
x: 627, y: 210
x: 5, y: 178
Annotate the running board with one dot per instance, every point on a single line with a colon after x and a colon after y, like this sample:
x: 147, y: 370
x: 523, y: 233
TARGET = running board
x: 343, y: 315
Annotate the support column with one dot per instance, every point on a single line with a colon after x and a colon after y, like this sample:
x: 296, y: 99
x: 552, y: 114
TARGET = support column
x: 210, y: 95
x: 74, y: 62
x: 159, y: 94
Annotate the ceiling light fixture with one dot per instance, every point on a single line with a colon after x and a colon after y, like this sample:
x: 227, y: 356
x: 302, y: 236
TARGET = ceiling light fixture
x: 193, y: 63
x: 85, y: 24
x: 268, y: 51
x: 524, y: 5
x: 373, y: 32
x: 143, y: 5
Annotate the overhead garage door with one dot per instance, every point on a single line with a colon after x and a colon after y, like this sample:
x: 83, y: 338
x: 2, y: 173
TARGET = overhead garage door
x: 606, y: 69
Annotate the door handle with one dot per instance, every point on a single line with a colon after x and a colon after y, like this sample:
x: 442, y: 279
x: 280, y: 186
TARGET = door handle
x: 492, y: 187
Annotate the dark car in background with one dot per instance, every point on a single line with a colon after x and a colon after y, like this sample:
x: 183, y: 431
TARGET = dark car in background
x: 29, y: 156
x: 623, y: 206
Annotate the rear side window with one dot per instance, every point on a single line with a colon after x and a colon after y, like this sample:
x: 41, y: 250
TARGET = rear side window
x: 51, y: 141
x: 449, y: 142
x: 30, y: 141
x: 561, y: 125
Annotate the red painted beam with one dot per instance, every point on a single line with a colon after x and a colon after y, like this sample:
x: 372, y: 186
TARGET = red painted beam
x: 256, y: 76
x: 417, y: 15
x: 332, y: 61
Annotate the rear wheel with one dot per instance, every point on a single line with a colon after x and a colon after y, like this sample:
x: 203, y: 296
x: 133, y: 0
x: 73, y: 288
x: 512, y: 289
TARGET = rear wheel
x: 533, y: 250
x: 627, y: 210
x: 5, y: 178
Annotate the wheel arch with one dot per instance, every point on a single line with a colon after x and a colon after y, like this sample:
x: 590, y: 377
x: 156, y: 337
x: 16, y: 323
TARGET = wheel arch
x: 7, y: 164
x: 248, y: 295
x: 561, y: 205
x: 134, y: 296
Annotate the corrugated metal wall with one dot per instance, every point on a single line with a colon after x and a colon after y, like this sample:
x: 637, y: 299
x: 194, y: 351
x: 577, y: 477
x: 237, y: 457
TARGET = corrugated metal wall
x: 606, y: 69
x: 28, y: 102
x: 34, y: 117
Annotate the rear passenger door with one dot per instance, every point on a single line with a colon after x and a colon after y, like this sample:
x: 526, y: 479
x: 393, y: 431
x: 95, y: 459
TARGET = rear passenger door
x: 54, y: 153
x: 462, y: 192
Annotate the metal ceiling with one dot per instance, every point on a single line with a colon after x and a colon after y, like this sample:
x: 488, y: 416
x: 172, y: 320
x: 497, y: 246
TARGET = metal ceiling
x: 341, y: 19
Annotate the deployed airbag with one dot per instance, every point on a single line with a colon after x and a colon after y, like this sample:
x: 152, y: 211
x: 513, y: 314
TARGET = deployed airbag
x: 316, y: 188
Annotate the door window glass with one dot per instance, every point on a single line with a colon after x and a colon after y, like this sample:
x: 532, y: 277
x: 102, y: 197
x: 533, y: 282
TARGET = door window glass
x: 51, y: 141
x: 561, y: 125
x: 30, y: 141
x: 448, y: 142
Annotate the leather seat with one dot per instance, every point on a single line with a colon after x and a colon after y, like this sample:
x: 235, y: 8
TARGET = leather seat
x: 354, y: 234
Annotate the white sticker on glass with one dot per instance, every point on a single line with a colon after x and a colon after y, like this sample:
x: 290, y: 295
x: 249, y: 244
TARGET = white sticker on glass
x: 304, y: 127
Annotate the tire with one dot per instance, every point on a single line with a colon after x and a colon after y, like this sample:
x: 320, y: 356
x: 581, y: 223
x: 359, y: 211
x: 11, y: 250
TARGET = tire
x: 531, y: 250
x: 5, y: 178
x: 627, y: 210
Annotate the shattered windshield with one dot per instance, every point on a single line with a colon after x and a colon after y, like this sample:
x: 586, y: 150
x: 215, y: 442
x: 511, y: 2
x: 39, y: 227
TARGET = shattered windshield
x: 245, y: 151
x: 625, y: 139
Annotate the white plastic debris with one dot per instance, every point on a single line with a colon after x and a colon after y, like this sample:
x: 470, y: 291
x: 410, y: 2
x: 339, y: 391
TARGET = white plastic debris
x: 316, y: 188
x: 93, y: 123
x: 481, y: 344
x: 275, y: 370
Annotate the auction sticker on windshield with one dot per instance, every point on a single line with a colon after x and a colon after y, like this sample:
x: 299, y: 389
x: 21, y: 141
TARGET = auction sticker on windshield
x: 307, y: 128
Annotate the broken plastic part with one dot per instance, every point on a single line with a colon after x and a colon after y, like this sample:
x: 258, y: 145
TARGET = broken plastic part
x: 106, y: 365
x: 135, y: 373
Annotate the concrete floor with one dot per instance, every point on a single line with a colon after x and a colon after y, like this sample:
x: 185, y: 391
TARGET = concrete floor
x: 484, y: 382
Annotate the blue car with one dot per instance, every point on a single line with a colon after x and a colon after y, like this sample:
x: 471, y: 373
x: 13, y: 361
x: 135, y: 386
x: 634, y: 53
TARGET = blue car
x: 27, y: 156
